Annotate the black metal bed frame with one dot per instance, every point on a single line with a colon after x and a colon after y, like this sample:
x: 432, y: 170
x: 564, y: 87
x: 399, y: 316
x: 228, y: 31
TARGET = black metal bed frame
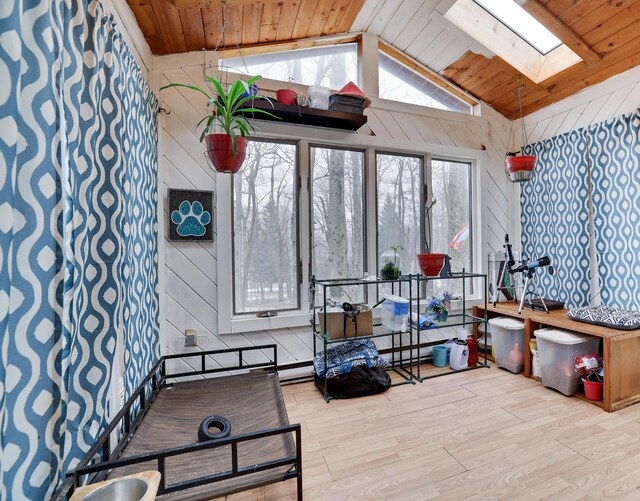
x: 144, y: 397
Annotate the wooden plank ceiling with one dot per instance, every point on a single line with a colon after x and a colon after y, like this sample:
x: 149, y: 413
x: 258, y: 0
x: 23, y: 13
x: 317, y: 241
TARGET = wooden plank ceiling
x: 610, y: 27
x: 175, y: 26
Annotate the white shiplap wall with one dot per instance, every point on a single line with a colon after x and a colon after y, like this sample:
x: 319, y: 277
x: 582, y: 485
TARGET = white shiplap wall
x: 191, y: 289
x: 188, y: 278
x: 615, y: 96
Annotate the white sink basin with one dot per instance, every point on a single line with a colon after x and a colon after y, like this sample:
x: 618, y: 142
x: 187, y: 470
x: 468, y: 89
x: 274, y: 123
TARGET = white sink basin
x: 124, y: 489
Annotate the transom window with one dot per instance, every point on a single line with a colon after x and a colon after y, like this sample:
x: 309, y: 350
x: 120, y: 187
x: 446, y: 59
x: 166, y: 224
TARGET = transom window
x: 331, y: 66
x: 522, y: 24
x: 399, y: 83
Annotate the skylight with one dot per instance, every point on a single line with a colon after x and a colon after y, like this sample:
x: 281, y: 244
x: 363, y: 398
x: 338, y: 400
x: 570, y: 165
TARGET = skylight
x: 522, y: 23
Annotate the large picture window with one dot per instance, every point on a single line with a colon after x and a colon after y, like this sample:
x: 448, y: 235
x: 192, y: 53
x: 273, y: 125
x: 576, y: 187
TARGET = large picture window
x: 337, y: 215
x: 265, y: 229
x: 273, y: 261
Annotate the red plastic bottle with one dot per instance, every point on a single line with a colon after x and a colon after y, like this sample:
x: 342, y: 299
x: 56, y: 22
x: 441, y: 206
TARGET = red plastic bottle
x: 473, y: 352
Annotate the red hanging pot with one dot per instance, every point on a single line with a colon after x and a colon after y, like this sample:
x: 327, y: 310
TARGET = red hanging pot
x: 220, y: 152
x: 520, y: 168
x: 430, y: 264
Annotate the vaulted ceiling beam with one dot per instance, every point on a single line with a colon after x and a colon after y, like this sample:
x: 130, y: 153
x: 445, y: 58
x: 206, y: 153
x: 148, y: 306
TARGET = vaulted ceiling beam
x: 562, y: 31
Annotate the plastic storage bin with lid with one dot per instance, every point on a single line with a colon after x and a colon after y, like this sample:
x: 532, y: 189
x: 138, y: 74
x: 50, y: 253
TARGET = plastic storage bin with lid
x: 395, y: 309
x: 557, y: 350
x: 507, y: 335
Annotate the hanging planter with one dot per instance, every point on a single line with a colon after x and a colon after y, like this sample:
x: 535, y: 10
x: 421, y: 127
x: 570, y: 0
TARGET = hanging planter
x: 221, y: 154
x: 226, y: 150
x: 227, y: 127
x: 519, y: 168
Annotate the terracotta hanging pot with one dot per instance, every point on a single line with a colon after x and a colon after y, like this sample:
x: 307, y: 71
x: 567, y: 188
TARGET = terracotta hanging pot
x: 220, y: 152
x: 431, y: 264
x: 520, y: 168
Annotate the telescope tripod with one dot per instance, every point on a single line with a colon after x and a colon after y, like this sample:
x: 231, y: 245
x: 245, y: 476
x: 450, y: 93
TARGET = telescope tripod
x: 530, y: 277
x: 530, y: 274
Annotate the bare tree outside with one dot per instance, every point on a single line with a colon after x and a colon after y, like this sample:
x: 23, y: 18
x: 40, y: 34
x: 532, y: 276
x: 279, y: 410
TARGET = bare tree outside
x: 265, y: 229
x: 338, y: 217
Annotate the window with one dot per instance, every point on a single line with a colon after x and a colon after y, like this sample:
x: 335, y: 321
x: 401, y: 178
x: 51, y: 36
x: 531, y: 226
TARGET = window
x: 337, y: 217
x: 452, y: 227
x: 265, y: 229
x: 331, y: 66
x: 273, y: 260
x: 522, y: 24
x: 399, y: 83
x: 400, y: 207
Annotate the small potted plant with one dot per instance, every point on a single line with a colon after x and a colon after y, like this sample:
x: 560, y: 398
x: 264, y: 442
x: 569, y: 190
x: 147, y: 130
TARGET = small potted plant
x: 436, y: 310
x: 430, y: 263
x: 390, y: 263
x: 227, y: 149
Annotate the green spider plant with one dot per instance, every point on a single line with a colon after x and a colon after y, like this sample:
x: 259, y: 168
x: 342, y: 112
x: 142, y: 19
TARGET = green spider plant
x: 228, y: 108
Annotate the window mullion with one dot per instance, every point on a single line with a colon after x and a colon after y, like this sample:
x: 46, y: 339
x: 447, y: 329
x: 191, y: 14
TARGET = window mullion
x: 304, y: 219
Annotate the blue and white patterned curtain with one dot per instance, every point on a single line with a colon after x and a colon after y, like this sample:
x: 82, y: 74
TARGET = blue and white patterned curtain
x: 555, y: 213
x: 614, y: 151
x: 78, y: 234
x: 554, y: 216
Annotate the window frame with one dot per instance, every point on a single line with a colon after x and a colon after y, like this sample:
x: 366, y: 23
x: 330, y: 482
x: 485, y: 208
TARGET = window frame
x: 365, y: 250
x: 420, y: 76
x: 423, y: 191
x: 472, y: 205
x: 296, y: 205
x: 229, y: 323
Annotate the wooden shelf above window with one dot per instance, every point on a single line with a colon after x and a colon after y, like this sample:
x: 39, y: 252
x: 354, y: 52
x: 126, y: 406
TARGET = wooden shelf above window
x: 302, y: 115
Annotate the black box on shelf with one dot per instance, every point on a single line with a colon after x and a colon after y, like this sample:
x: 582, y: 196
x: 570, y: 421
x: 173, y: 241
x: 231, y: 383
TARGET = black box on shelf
x: 347, y: 104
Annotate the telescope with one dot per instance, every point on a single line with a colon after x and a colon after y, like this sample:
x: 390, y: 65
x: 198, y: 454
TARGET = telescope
x: 538, y: 263
x: 528, y: 269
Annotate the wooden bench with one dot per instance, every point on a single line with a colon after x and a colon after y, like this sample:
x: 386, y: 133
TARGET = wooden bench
x: 620, y: 350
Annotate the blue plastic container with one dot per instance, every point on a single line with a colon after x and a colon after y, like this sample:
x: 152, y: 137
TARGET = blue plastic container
x: 440, y: 356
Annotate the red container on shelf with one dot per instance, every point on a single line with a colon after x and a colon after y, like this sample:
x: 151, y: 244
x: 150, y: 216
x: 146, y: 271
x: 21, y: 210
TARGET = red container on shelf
x: 286, y: 96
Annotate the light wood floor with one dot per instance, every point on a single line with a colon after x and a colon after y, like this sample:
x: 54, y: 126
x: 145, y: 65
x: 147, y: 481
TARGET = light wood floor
x: 483, y: 434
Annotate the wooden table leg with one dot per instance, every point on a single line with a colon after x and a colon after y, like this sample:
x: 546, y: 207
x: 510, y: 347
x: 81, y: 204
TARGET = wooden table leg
x: 476, y: 313
x: 530, y: 327
x: 608, y: 374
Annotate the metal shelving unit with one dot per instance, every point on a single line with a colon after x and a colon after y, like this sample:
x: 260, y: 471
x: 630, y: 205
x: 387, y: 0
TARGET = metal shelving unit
x: 399, y: 366
x: 409, y: 370
x: 459, y: 320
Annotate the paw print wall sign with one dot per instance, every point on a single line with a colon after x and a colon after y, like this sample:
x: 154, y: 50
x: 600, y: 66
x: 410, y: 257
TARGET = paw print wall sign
x: 190, y: 215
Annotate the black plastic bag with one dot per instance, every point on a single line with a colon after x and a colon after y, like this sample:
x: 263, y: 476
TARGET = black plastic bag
x: 359, y: 382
